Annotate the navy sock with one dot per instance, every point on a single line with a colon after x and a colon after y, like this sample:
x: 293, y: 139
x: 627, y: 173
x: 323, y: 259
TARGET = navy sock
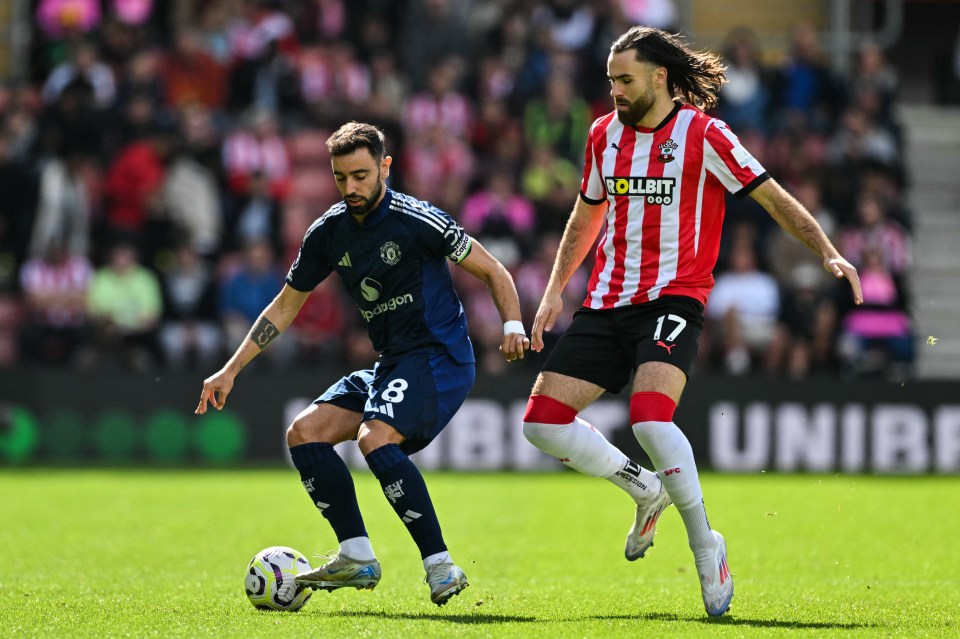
x: 330, y: 486
x: 403, y: 485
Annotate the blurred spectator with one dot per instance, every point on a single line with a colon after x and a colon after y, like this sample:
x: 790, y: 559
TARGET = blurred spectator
x: 334, y: 84
x: 875, y: 80
x: 745, y: 97
x: 805, y: 94
x: 807, y: 324
x: 247, y: 291
x: 877, y: 336
x: 190, y: 333
x: 560, y: 119
x: 438, y: 167
x: 54, y: 284
x: 551, y: 183
x: 875, y: 232
x: 191, y: 200
x: 58, y: 19
x: 570, y: 23
x: 441, y: 105
x: 87, y: 66
x: 264, y: 74
x: 126, y: 305
x: 433, y: 30
x: 743, y: 309
x: 257, y: 149
x: 259, y: 26
x: 499, y: 217
x: 191, y: 75
x: 134, y: 185
x: 18, y: 193
x: 258, y: 217
x: 64, y: 208
x: 319, y: 326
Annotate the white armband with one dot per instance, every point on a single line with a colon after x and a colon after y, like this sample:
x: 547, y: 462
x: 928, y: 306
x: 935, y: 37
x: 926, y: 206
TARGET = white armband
x: 514, y: 326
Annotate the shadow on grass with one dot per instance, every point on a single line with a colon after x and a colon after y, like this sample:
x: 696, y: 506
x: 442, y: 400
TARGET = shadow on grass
x: 483, y: 618
x: 474, y: 618
x: 728, y: 620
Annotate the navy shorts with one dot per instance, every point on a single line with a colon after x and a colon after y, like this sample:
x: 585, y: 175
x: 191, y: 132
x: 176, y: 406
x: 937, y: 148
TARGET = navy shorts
x: 604, y: 346
x: 418, y: 394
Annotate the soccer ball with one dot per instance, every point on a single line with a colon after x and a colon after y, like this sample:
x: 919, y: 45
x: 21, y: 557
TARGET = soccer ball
x: 269, y: 581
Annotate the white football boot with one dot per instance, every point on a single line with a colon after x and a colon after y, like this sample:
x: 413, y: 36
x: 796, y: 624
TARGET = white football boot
x: 716, y: 584
x: 445, y: 579
x: 640, y: 537
x: 342, y: 572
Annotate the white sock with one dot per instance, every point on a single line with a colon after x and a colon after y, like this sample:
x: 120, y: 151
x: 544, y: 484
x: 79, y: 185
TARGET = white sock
x: 583, y: 448
x: 436, y: 558
x: 670, y: 452
x: 698, y: 528
x: 358, y: 548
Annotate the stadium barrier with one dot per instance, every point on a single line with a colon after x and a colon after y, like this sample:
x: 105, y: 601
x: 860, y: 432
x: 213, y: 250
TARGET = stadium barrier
x: 735, y: 425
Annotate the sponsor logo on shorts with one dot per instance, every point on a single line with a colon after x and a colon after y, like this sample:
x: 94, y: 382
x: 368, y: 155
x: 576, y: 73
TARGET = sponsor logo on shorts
x: 308, y: 484
x: 665, y: 346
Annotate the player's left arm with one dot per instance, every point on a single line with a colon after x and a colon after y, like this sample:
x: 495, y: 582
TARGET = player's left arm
x: 491, y: 272
x: 798, y: 222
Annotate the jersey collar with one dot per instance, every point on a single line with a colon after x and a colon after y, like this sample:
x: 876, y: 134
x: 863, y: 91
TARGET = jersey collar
x: 670, y: 116
x: 377, y: 214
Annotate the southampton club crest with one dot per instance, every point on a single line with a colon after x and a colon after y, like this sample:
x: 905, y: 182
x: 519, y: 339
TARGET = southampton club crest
x: 390, y: 253
x: 666, y: 151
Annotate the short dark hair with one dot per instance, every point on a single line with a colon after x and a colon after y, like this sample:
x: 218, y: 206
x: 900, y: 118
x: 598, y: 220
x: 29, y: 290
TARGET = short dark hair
x: 694, y: 76
x: 354, y: 135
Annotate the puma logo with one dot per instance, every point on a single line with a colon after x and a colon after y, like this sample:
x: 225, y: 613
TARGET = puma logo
x: 669, y: 348
x: 613, y: 145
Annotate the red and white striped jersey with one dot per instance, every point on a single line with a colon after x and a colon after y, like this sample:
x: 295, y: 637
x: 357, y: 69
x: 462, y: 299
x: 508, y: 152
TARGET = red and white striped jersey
x: 664, y: 189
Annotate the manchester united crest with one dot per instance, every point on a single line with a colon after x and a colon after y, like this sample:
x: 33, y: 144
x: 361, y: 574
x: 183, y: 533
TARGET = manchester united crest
x: 666, y: 151
x: 390, y: 253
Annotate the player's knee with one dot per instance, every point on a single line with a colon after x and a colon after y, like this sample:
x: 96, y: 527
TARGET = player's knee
x: 546, y: 422
x: 299, y: 432
x: 651, y: 407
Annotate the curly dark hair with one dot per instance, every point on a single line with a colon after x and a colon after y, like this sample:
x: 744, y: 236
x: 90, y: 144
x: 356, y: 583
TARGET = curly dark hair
x: 693, y: 76
x: 354, y: 135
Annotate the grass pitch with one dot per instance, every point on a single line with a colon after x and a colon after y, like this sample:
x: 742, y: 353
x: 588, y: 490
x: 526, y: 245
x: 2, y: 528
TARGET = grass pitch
x: 162, y: 553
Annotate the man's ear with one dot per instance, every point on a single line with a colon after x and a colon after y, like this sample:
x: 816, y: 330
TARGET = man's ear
x: 385, y: 166
x: 660, y: 76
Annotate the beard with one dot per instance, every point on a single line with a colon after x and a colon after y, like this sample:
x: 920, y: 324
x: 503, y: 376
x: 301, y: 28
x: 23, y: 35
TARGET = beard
x: 637, y: 109
x: 359, y: 210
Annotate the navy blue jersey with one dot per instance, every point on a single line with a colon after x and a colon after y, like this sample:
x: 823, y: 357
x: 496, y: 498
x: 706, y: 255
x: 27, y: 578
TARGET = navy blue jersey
x: 394, y: 266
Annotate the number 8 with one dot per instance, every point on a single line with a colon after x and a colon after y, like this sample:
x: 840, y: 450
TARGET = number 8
x: 394, y: 392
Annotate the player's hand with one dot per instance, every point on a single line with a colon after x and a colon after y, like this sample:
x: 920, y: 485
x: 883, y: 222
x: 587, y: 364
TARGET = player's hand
x: 513, y: 346
x: 547, y: 314
x: 215, y: 391
x: 840, y: 267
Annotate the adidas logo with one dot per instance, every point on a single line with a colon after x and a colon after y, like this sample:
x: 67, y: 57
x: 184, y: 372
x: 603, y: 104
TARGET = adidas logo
x: 345, y: 260
x: 386, y: 409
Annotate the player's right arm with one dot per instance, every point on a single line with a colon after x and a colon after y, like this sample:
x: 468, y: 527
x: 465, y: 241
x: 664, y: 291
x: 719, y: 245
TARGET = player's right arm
x: 275, y: 318
x: 581, y: 231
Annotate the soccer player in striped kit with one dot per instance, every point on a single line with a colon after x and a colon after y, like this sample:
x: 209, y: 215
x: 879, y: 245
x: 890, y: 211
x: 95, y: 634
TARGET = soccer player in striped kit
x: 655, y: 172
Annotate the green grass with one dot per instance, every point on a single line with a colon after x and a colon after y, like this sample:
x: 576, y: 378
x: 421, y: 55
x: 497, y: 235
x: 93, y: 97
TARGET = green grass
x: 161, y: 553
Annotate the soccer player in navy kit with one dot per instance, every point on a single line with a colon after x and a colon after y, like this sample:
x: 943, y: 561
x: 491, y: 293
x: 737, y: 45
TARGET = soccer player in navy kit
x: 390, y: 250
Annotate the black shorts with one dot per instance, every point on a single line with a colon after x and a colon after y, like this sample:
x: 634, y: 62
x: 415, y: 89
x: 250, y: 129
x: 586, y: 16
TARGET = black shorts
x: 604, y: 346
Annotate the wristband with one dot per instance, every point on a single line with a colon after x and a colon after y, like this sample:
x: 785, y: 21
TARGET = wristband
x: 514, y: 326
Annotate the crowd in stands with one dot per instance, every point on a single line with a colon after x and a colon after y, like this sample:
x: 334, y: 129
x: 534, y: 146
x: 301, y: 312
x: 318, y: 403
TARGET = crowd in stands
x: 161, y: 162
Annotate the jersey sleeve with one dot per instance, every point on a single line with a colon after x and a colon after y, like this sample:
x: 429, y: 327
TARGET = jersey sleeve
x: 442, y: 235
x: 592, y: 188
x: 311, y: 265
x: 729, y: 161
